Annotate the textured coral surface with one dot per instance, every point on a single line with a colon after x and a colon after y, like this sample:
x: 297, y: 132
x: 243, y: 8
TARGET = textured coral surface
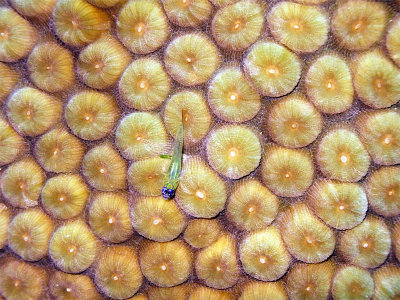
x: 290, y: 182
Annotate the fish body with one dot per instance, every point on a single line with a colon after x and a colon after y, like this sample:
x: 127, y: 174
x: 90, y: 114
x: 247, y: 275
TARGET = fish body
x: 174, y: 170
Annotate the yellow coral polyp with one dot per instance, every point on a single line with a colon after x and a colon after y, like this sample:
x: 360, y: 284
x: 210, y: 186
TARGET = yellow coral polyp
x: 142, y: 26
x: 273, y: 69
x: 233, y: 150
x: 78, y: 23
x: 302, y: 28
x: 231, y: 97
x: 237, y: 26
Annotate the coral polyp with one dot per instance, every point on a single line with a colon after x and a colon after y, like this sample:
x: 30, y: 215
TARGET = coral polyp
x: 264, y: 290
x: 358, y: 24
x: 117, y: 272
x: 141, y: 135
x: 302, y: 28
x: 101, y: 64
x: 17, y: 36
x: 305, y: 236
x: 191, y: 59
x: 335, y: 94
x: 340, y: 205
x: 188, y: 107
x: 342, y: 156
x: 144, y: 85
x: 32, y: 112
x: 187, y: 13
x: 376, y: 79
x: 59, y: 151
x: 217, y: 265
x: 78, y: 23
x: 293, y: 122
x: 166, y: 264
x: 231, y: 97
x: 51, y: 67
x: 237, y: 26
x: 10, y: 78
x: 104, y: 168
x: 366, y: 245
x: 383, y: 191
x: 287, y: 172
x: 233, y: 150
x: 64, y: 196
x: 65, y: 286
x: 310, y: 281
x: 73, y: 247
x: 201, y: 192
x: 352, y: 282
x: 29, y: 234
x: 91, y: 115
x: 251, y: 205
x: 380, y: 133
x: 12, y: 145
x: 109, y: 217
x: 201, y: 233
x: 20, y: 280
x: 22, y: 182
x: 142, y: 26
x: 273, y: 69
x: 157, y: 219
x: 264, y: 255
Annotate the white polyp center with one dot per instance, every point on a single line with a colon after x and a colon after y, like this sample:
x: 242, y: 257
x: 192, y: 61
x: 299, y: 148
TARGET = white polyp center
x: 200, y: 194
x: 139, y: 28
x: 343, y: 159
x: 55, y: 152
x: 357, y: 26
x: 391, y: 193
x: 138, y: 138
x: 308, y: 288
x: 218, y: 268
x: 48, y: 68
x: 16, y: 283
x: 189, y: 60
x: 294, y: 125
x: 263, y: 260
x: 232, y: 153
x: 272, y: 71
x: 87, y: 118
x: 329, y: 85
x: 110, y: 220
x: 156, y: 221
x: 28, y: 112
x: 163, y: 267
x: 341, y: 207
x: 71, y: 250
x: 184, y: 1
x: 296, y: 26
x: 61, y: 199
x: 97, y: 66
x: 237, y: 25
x: 365, y: 245
x: 287, y: 175
x: 142, y: 85
x: 251, y: 209
x: 386, y: 141
x: 233, y: 97
x: 115, y: 277
x: 25, y: 238
x: 2, y: 33
x: 68, y: 290
x: 102, y: 171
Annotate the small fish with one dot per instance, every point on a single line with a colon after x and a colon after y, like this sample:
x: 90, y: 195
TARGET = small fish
x: 174, y: 170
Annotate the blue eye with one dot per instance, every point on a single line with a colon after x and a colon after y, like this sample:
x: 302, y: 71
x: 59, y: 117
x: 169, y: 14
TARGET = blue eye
x: 167, y: 193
